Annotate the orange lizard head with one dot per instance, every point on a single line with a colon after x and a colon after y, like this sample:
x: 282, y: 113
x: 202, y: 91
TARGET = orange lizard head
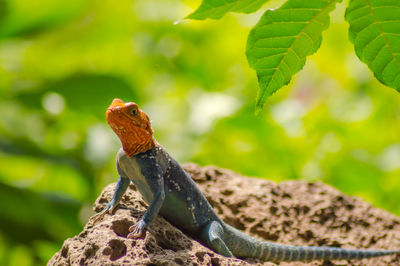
x: 131, y: 125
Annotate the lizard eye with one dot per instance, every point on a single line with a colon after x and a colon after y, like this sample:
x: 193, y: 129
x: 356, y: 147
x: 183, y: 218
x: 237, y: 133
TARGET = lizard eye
x: 134, y: 111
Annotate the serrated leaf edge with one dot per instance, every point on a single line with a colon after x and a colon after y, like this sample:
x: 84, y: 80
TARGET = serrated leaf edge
x: 261, y: 95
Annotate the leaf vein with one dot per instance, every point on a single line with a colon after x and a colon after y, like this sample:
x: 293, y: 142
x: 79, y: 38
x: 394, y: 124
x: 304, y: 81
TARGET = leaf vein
x: 297, y: 37
x: 295, y: 53
x: 377, y: 23
x: 273, y: 37
x: 386, y: 6
x: 396, y: 77
x: 370, y: 42
x: 387, y: 64
x: 383, y: 35
x: 311, y: 39
x: 356, y: 9
x: 253, y: 3
x: 377, y: 54
x: 267, y: 56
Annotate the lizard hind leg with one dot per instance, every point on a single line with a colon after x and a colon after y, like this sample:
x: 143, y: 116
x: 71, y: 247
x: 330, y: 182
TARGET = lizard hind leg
x: 212, y: 235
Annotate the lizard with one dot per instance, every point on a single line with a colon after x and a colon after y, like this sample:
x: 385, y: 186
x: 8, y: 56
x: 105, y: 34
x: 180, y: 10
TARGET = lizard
x: 170, y: 191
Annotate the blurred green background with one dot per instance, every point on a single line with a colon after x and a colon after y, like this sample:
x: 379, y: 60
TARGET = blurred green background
x: 62, y: 62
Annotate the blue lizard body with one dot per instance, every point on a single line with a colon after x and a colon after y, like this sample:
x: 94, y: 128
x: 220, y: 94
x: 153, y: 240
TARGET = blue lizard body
x: 183, y: 203
x: 172, y: 193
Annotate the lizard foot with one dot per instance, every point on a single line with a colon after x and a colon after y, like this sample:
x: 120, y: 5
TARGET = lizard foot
x: 137, y: 230
x: 97, y: 217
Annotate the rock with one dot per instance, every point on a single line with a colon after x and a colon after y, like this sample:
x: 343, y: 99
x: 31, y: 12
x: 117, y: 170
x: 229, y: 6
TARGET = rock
x: 292, y: 212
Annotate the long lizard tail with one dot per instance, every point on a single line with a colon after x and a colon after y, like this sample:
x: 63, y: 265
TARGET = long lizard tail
x: 244, y: 246
x: 274, y: 252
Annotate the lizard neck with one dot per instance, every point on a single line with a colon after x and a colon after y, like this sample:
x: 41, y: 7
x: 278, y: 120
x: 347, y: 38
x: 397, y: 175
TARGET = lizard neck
x: 134, y: 144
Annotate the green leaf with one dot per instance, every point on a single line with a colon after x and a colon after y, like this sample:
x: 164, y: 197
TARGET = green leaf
x: 375, y: 33
x: 278, y: 45
x: 218, y: 8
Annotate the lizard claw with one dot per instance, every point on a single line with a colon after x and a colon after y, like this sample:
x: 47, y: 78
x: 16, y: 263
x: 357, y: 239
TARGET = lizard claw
x: 97, y: 217
x: 137, y: 230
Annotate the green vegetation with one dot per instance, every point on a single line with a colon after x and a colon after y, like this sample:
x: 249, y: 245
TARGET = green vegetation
x: 62, y: 64
x: 278, y: 45
x: 375, y: 32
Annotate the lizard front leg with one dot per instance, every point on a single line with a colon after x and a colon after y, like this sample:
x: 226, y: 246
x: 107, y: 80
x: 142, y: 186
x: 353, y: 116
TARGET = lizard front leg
x: 122, y: 185
x: 155, y: 180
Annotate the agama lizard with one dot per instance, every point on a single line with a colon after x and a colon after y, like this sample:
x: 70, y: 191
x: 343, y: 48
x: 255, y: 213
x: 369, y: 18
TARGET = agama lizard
x: 170, y: 191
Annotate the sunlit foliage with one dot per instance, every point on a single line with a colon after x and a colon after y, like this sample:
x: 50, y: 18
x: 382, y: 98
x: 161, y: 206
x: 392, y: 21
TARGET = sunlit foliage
x: 278, y: 45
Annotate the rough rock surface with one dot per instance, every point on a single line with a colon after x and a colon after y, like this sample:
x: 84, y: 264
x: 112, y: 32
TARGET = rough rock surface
x: 292, y: 212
